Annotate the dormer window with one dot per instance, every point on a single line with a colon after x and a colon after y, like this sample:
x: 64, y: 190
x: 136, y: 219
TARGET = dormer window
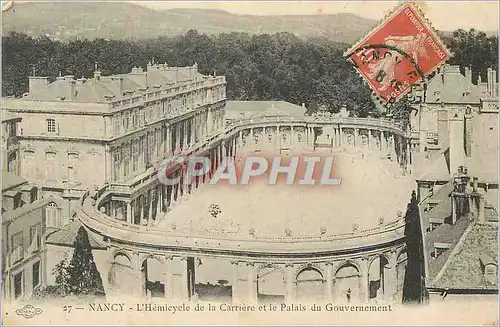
x: 465, y: 94
x: 439, y: 248
x: 489, y: 268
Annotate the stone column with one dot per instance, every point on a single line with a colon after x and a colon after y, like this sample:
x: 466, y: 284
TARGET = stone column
x: 393, y: 148
x: 370, y: 139
x: 364, y: 284
x: 329, y: 281
x: 289, y: 284
x: 356, y: 137
x: 141, y: 206
x: 169, y: 287
x: 390, y: 277
x: 251, y: 283
x: 184, y: 135
x: 130, y: 216
x: 150, y: 209
x: 383, y: 143
x: 166, y: 141
x: 138, y: 284
x: 177, y: 142
x: 235, y: 289
x: 179, y: 278
x: 158, y: 203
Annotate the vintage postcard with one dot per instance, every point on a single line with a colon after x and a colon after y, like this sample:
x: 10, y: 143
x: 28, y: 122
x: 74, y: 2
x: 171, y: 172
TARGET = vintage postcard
x: 243, y: 163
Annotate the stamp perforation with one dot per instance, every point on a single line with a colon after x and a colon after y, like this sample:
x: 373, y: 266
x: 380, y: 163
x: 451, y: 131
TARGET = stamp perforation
x: 432, y: 34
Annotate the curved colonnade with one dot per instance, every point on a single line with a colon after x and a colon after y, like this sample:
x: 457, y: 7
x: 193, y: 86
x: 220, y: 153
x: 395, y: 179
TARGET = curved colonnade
x: 357, y: 266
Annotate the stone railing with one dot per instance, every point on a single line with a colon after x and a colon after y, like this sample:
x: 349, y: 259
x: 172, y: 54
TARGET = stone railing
x: 168, y: 91
x: 346, y: 122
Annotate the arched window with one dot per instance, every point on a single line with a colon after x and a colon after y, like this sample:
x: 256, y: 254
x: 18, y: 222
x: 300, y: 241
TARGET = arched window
x: 52, y: 215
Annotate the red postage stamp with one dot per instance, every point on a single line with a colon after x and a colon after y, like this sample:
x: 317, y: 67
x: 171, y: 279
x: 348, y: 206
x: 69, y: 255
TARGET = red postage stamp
x: 398, y: 53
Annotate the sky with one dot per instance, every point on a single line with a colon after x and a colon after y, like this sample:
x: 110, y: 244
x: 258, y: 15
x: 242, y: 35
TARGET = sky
x: 444, y: 15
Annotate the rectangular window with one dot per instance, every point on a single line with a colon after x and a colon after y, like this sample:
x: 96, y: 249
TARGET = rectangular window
x: 33, y: 195
x: 50, y: 167
x: 116, y: 164
x: 17, y: 247
x: 34, y: 238
x: 36, y: 274
x: 17, y: 201
x: 51, y: 215
x: 18, y: 285
x: 51, y: 125
x: 72, y: 166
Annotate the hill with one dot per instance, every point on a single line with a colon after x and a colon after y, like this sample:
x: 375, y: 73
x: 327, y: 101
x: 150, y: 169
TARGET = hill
x: 121, y: 20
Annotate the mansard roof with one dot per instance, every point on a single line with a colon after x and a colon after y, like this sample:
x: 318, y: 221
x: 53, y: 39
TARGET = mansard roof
x: 99, y: 89
x: 450, y: 86
x: 462, y: 269
x: 10, y: 180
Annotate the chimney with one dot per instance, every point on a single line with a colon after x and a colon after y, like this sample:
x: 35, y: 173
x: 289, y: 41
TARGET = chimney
x: 480, y: 215
x: 140, y: 77
x: 489, y: 81
x: 457, y: 153
x: 118, y: 85
x: 97, y: 72
x: 137, y: 70
x: 474, y: 184
x: 468, y: 131
x: 468, y: 74
x: 442, y: 125
x: 492, y: 82
x: 70, y: 83
x: 37, y: 83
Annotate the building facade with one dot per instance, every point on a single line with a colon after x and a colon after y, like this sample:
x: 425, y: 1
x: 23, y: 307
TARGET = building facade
x: 454, y: 138
x: 23, y: 223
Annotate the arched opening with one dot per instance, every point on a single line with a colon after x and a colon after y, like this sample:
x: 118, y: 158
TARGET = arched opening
x: 270, y: 285
x: 376, y: 277
x: 347, y: 283
x: 310, y: 285
x: 153, y: 283
x: 214, y: 280
x: 121, y: 274
x: 400, y: 270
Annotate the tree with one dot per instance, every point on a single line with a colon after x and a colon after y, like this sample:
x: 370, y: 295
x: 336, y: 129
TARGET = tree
x: 474, y: 49
x: 62, y: 288
x: 414, y: 290
x: 222, y: 282
x: 83, y: 276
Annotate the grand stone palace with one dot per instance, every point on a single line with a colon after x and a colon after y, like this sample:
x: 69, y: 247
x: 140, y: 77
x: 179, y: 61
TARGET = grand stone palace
x: 90, y: 148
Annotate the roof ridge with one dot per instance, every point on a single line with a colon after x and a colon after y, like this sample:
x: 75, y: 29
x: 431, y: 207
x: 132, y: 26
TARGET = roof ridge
x: 454, y: 252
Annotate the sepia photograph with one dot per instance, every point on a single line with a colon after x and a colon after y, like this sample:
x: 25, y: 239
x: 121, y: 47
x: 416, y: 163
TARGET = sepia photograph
x: 250, y: 162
